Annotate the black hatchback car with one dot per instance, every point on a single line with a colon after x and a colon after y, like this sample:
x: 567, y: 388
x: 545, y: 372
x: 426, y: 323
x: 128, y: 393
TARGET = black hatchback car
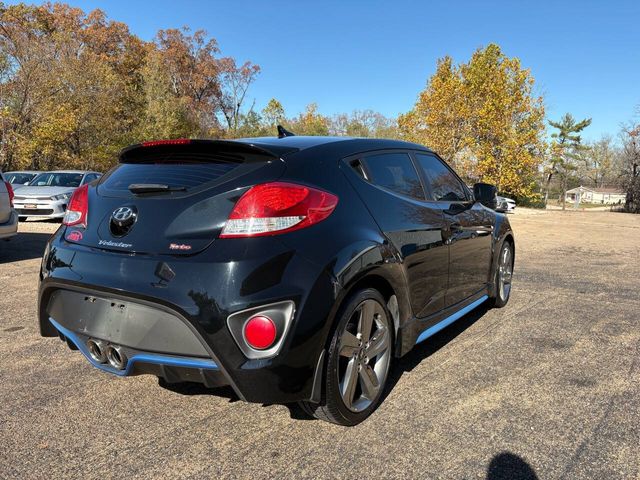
x: 292, y: 269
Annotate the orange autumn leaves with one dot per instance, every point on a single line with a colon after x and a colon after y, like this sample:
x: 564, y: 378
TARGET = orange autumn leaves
x: 484, y: 118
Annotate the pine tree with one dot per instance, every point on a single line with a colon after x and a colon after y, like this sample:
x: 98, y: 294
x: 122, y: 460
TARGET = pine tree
x: 565, y: 151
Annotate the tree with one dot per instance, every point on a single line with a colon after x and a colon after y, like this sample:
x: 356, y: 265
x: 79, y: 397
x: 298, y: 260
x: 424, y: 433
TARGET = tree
x: 76, y: 87
x: 630, y: 135
x: 193, y: 73
x: 235, y: 83
x: 600, y: 162
x: 310, y: 122
x: 566, y: 150
x: 363, y: 123
x: 273, y: 114
x: 482, y: 117
x: 440, y: 118
x: 68, y: 89
x: 166, y: 113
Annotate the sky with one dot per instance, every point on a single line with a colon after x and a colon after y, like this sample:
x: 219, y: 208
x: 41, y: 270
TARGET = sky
x: 346, y: 55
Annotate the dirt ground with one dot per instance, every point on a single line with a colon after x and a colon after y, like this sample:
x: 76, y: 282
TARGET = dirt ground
x: 547, y: 387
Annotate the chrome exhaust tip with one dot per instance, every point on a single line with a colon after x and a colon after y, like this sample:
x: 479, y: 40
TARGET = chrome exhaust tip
x: 116, y: 357
x: 97, y: 350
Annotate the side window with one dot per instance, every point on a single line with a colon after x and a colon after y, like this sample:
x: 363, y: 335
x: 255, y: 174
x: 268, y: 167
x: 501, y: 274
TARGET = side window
x: 444, y: 184
x: 394, y: 171
x: 90, y: 177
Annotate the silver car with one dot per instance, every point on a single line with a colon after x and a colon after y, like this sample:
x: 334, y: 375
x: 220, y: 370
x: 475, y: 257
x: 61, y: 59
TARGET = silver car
x: 20, y: 178
x: 8, y: 216
x: 48, y: 194
x: 505, y: 204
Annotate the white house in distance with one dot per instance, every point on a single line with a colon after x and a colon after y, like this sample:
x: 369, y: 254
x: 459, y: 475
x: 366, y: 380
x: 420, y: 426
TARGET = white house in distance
x: 604, y: 195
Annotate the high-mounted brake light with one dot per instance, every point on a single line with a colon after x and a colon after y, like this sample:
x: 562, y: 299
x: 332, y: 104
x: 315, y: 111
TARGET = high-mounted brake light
x: 277, y: 207
x: 175, y: 141
x: 10, y: 191
x: 78, y: 208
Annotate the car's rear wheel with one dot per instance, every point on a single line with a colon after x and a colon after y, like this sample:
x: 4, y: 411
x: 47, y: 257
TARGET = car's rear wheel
x: 358, y: 361
x: 503, y: 276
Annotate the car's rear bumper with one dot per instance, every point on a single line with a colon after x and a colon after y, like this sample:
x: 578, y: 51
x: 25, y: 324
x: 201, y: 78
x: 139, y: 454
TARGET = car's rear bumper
x: 118, y: 298
x: 38, y: 208
x: 10, y: 227
x: 171, y: 368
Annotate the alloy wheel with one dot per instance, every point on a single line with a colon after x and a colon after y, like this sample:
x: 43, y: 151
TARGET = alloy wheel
x: 365, y: 355
x: 505, y: 272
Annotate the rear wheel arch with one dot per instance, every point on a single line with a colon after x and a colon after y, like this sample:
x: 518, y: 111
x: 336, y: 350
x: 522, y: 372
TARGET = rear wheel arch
x: 396, y: 303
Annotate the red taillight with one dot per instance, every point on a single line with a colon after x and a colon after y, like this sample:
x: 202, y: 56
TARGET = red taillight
x: 278, y: 207
x: 10, y: 191
x: 78, y: 208
x: 260, y: 332
x: 175, y: 141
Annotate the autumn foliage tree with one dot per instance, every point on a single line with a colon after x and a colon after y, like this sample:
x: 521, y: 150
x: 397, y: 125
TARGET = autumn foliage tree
x: 484, y: 118
x: 75, y: 87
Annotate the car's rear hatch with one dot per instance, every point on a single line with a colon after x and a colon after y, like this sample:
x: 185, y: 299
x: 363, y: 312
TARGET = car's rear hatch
x: 181, y: 193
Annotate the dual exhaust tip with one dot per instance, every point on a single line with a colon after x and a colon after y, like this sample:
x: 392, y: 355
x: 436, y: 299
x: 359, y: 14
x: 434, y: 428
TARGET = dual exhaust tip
x: 103, y: 352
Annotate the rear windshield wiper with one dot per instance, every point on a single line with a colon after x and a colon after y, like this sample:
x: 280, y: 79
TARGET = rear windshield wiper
x: 153, y: 188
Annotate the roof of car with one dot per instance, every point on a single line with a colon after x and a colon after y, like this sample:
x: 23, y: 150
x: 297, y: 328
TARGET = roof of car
x: 298, y: 143
x: 23, y: 171
x: 258, y: 147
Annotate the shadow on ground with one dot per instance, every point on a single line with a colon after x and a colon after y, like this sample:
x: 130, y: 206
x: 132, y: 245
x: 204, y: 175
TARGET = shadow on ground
x: 508, y: 466
x: 23, y: 246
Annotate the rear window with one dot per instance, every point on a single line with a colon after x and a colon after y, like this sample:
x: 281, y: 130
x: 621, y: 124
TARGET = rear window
x: 176, y: 175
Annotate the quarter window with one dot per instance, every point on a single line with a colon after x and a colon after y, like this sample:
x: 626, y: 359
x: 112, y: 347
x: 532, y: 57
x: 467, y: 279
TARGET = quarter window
x: 444, y: 184
x: 394, y: 171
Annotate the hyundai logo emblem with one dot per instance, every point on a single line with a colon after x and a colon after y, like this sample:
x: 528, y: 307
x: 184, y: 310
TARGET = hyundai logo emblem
x: 124, y: 216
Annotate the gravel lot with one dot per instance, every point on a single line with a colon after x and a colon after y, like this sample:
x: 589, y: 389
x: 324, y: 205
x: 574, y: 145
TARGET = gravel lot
x: 547, y: 387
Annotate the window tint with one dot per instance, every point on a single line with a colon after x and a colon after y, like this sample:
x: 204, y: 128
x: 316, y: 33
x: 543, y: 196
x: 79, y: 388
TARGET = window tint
x: 395, y: 171
x: 444, y: 184
x: 187, y: 175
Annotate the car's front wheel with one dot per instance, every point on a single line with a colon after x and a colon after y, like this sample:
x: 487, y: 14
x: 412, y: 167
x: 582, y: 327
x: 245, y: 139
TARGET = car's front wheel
x: 358, y: 362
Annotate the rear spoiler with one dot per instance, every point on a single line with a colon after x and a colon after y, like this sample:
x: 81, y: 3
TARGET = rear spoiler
x: 188, y: 150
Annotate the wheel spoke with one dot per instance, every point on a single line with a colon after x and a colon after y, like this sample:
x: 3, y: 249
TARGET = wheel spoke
x: 369, y: 382
x: 349, y: 344
x: 378, y: 343
x: 365, y: 323
x: 348, y: 387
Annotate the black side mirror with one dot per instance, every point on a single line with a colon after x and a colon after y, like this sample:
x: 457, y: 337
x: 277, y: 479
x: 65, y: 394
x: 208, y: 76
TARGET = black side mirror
x: 486, y: 194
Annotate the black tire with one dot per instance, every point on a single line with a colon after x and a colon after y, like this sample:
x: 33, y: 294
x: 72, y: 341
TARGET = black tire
x: 334, y: 408
x: 503, y: 275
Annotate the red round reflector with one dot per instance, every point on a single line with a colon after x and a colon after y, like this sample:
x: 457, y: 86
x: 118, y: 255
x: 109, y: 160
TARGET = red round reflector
x: 260, y: 332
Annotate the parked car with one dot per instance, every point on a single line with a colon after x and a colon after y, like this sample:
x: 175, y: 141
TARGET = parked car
x: 292, y: 269
x: 8, y: 215
x: 20, y: 178
x: 48, y: 193
x: 505, y: 204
